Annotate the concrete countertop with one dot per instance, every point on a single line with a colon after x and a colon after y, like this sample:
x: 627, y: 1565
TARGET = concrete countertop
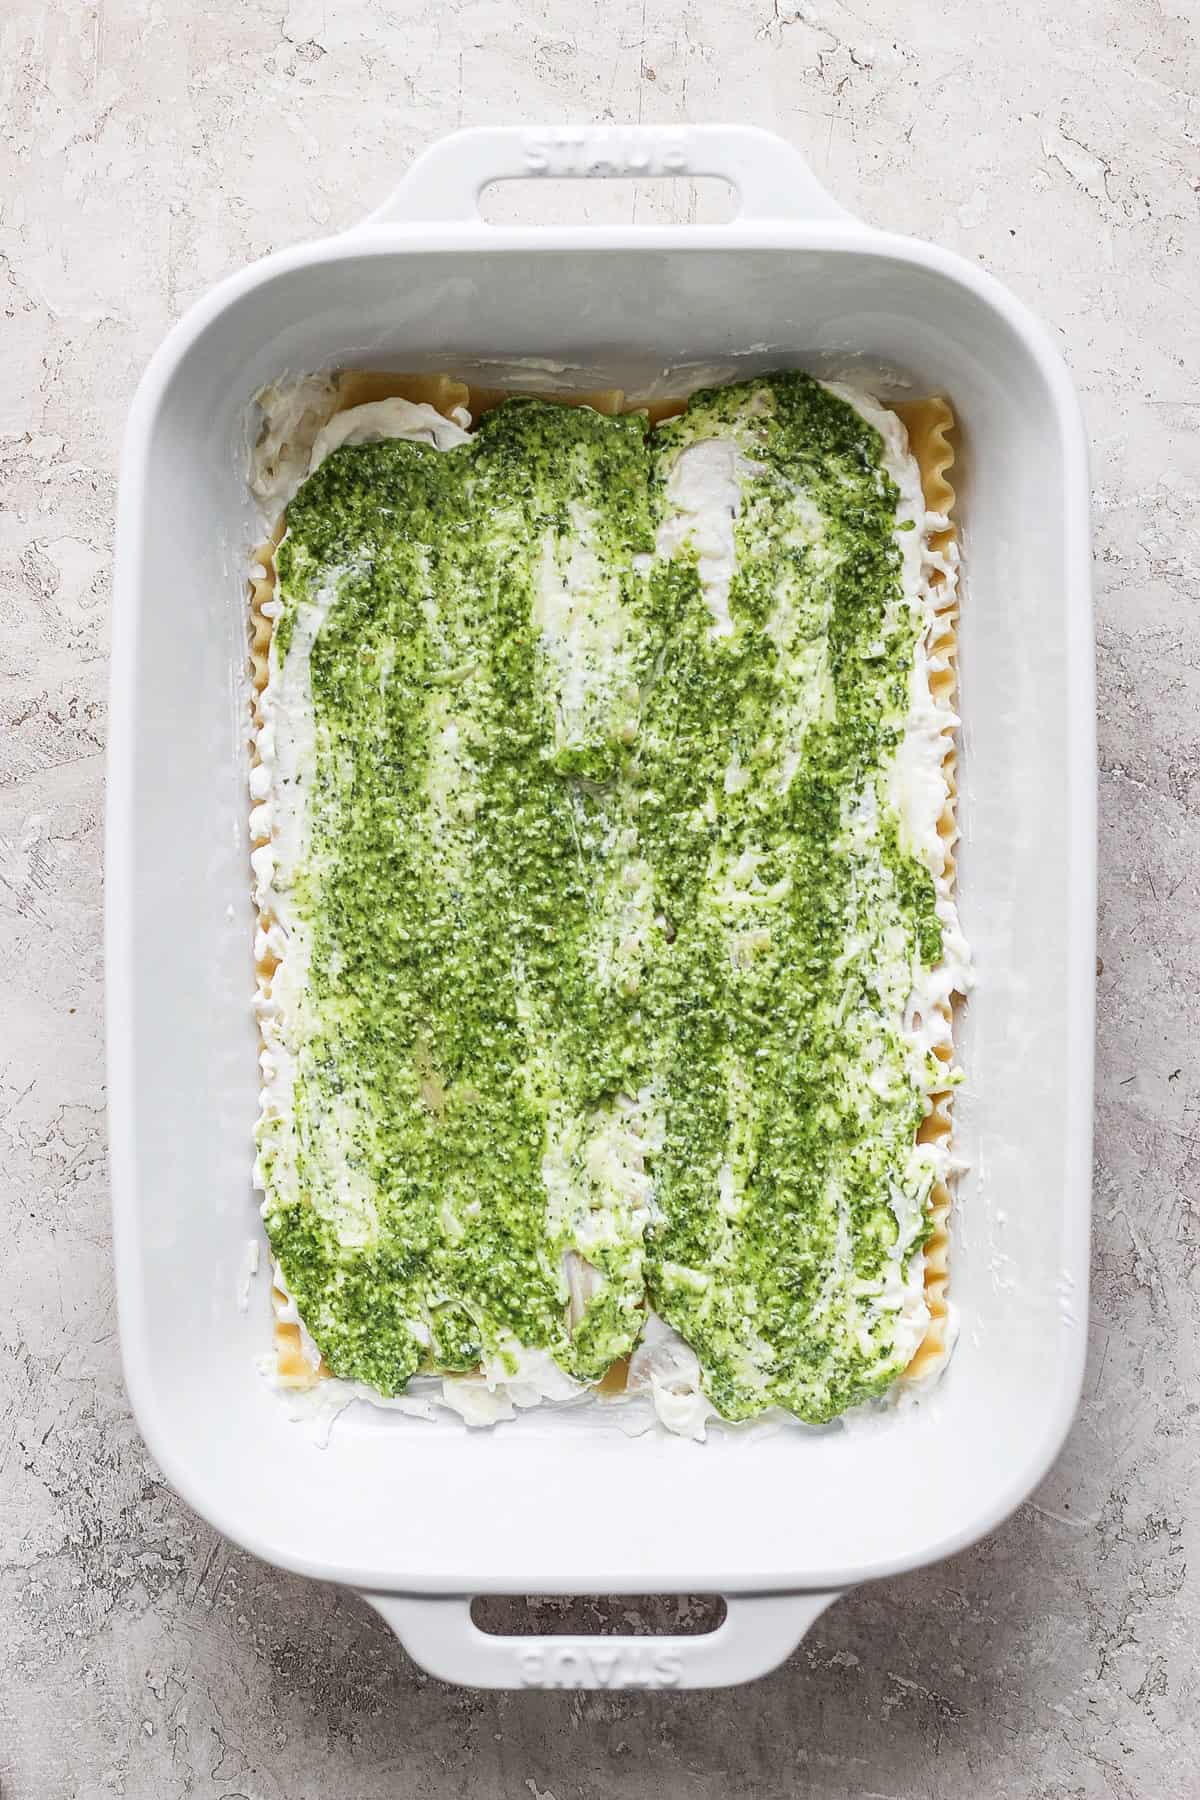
x: 150, y: 147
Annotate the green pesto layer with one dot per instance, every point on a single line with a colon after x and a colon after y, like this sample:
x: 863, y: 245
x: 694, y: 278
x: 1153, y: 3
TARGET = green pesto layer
x: 609, y: 925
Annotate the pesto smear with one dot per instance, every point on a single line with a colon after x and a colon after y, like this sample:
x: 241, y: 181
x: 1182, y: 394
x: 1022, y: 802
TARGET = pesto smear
x: 602, y: 924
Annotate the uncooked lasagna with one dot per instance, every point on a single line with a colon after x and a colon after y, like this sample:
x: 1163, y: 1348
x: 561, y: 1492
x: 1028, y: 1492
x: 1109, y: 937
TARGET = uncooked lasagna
x: 603, y: 829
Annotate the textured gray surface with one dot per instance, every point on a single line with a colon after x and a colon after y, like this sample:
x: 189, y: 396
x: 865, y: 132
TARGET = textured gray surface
x: 151, y: 146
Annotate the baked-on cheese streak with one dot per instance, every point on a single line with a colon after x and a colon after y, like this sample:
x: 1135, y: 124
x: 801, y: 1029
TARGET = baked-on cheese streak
x: 604, y: 830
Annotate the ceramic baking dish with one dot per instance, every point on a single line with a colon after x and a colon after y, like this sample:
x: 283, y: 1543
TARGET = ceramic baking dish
x: 421, y: 1517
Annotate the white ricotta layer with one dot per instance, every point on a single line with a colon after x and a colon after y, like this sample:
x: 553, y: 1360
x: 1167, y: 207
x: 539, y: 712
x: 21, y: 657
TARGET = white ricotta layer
x: 382, y: 419
x: 705, y: 490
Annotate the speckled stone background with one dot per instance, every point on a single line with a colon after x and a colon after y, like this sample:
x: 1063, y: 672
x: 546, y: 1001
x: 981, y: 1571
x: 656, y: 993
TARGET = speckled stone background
x: 151, y: 146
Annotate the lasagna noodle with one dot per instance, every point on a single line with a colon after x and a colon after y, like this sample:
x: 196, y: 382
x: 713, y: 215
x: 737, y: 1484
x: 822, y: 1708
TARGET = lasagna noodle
x: 297, y: 1364
x: 929, y: 424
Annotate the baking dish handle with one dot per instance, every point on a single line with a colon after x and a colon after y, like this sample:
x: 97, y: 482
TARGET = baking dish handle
x: 758, y: 1631
x: 771, y: 178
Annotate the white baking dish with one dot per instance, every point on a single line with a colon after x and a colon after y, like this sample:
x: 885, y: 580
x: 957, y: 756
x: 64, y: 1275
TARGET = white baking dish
x: 420, y: 1517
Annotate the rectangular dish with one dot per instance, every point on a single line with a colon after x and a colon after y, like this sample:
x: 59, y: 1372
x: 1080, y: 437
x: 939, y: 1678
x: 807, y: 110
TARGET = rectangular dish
x: 396, y: 1507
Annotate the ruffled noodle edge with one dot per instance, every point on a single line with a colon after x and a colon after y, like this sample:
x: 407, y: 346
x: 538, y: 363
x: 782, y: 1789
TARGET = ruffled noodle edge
x: 929, y: 424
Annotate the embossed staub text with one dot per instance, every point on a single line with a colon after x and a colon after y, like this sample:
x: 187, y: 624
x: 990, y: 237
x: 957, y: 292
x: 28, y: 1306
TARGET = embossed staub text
x: 599, y: 1665
x: 567, y: 150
